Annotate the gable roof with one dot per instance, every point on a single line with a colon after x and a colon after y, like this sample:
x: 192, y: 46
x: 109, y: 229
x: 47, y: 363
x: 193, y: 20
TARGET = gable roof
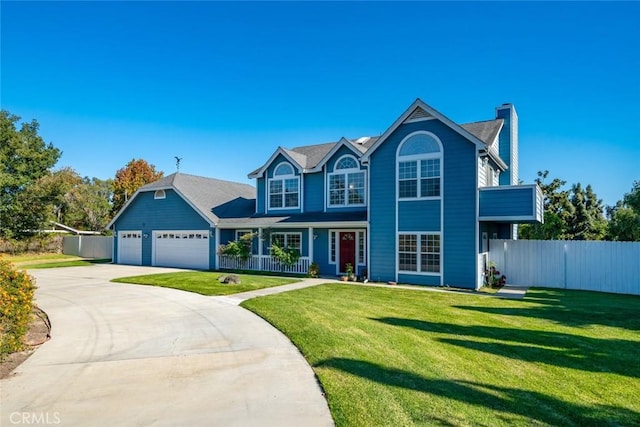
x: 297, y: 159
x: 211, y: 198
x: 487, y: 131
x: 428, y: 111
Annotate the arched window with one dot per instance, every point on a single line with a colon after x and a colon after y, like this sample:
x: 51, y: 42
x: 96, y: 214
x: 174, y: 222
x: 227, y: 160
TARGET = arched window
x: 284, y: 188
x: 419, y: 166
x: 346, y: 183
x: 283, y: 169
x: 159, y: 194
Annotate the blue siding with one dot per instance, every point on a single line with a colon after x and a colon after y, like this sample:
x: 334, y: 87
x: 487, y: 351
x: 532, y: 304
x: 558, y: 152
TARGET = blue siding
x: 419, y: 215
x: 504, y: 139
x: 265, y: 194
x: 260, y: 196
x: 321, y: 252
x: 459, y: 198
x: 314, y: 192
x: 147, y: 214
x: 507, y: 202
x: 418, y: 279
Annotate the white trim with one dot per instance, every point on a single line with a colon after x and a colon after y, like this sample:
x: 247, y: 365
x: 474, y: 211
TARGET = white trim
x: 247, y: 230
x: 509, y: 187
x: 357, y: 232
x: 279, y: 150
x: 421, y: 119
x: 310, y: 244
x: 509, y: 218
x: 216, y: 244
x: 332, y: 241
x: 159, y: 194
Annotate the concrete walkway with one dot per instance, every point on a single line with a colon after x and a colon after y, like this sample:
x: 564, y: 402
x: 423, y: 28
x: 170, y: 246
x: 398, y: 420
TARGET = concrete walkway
x: 236, y: 299
x: 125, y: 354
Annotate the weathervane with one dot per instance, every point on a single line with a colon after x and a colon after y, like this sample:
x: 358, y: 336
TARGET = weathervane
x: 177, y: 162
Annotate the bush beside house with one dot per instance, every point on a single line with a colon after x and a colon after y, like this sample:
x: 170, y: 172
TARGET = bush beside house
x: 16, y: 301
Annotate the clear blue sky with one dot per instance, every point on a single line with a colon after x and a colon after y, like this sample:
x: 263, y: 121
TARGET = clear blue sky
x: 223, y: 84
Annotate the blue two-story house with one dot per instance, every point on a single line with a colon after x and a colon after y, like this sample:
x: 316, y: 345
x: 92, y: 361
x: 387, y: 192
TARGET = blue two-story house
x: 417, y: 204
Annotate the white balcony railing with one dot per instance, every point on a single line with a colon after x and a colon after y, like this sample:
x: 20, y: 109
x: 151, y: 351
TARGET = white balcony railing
x: 262, y: 263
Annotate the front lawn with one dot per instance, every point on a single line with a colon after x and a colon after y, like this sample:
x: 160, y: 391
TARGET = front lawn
x: 391, y: 357
x: 206, y: 283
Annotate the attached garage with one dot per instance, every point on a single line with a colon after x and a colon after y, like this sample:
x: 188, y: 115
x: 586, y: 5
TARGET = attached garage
x: 184, y: 249
x: 130, y: 247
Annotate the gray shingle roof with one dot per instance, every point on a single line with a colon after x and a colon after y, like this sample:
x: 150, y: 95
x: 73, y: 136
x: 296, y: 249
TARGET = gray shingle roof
x: 214, y: 198
x: 486, y: 131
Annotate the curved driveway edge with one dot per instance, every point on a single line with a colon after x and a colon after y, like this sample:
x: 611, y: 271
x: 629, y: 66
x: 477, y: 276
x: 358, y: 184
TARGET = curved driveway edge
x: 125, y: 354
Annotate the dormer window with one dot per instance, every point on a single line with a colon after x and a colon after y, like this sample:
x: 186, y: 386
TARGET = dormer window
x: 159, y: 194
x: 346, y: 183
x: 284, y: 188
x: 419, y: 167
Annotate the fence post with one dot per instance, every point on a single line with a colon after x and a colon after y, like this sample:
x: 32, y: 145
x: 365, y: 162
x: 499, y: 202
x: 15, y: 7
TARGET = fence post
x: 564, y: 264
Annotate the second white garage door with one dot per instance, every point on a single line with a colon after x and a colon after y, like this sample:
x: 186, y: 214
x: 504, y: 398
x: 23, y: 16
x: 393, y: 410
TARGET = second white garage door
x: 184, y: 249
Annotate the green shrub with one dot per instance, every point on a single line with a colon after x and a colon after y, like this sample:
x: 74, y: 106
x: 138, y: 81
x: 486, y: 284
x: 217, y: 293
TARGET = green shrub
x: 16, y: 301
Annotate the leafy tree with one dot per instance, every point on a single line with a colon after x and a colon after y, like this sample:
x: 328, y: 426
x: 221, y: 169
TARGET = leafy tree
x: 557, y: 211
x: 25, y: 159
x: 576, y: 214
x: 134, y: 175
x: 587, y: 221
x: 624, y: 223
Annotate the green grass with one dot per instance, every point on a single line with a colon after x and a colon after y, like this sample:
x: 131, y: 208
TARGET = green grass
x: 59, y: 264
x: 394, y: 357
x: 27, y: 258
x: 206, y: 283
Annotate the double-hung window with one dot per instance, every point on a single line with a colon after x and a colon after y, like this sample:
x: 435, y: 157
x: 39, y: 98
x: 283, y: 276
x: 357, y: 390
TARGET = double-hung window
x: 419, y: 252
x: 284, y: 188
x: 346, y: 183
x: 419, y: 167
x: 288, y: 240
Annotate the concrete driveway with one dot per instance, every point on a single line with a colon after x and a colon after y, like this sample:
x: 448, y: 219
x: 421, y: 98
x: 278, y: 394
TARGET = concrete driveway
x: 139, y: 355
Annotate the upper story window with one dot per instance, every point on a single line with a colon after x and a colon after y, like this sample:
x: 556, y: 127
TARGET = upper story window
x: 159, y: 194
x: 284, y: 188
x: 346, y: 183
x: 419, y: 167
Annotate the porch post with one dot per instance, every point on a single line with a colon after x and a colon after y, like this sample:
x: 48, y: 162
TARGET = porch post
x: 216, y: 243
x: 310, y: 245
x: 260, y: 267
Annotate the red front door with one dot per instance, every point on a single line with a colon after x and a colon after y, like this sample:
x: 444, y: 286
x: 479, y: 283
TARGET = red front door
x: 347, y: 250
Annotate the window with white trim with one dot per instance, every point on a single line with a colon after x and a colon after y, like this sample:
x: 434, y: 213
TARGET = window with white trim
x: 419, y: 252
x: 159, y: 194
x: 288, y: 240
x: 419, y: 161
x: 346, y: 183
x: 332, y: 247
x: 284, y: 188
x: 240, y: 234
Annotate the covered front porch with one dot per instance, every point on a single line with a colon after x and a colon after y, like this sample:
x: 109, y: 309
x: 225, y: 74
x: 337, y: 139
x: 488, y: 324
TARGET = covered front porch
x: 330, y: 245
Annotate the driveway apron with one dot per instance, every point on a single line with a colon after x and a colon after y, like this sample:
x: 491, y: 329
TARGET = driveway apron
x: 125, y: 354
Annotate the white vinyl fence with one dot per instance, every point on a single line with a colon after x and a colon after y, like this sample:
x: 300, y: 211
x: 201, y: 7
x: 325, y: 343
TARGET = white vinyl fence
x: 99, y: 247
x: 569, y: 264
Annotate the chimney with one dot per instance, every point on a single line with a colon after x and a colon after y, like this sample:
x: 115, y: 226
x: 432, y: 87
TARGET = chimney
x: 508, y: 140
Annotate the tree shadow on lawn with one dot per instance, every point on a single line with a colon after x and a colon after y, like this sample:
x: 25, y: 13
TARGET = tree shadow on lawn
x: 574, y: 308
x: 528, y: 404
x: 569, y: 351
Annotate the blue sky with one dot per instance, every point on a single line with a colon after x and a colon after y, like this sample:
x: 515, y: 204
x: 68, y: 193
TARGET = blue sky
x: 223, y: 84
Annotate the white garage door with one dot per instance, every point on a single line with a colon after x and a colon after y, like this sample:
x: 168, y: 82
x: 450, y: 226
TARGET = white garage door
x: 130, y: 247
x: 186, y: 249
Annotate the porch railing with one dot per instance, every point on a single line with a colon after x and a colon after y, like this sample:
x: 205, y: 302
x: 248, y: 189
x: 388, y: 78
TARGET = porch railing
x: 263, y: 263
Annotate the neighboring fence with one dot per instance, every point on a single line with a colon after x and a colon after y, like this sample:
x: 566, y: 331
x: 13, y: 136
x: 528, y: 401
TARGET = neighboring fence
x: 569, y: 264
x: 263, y: 263
x: 88, y: 246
